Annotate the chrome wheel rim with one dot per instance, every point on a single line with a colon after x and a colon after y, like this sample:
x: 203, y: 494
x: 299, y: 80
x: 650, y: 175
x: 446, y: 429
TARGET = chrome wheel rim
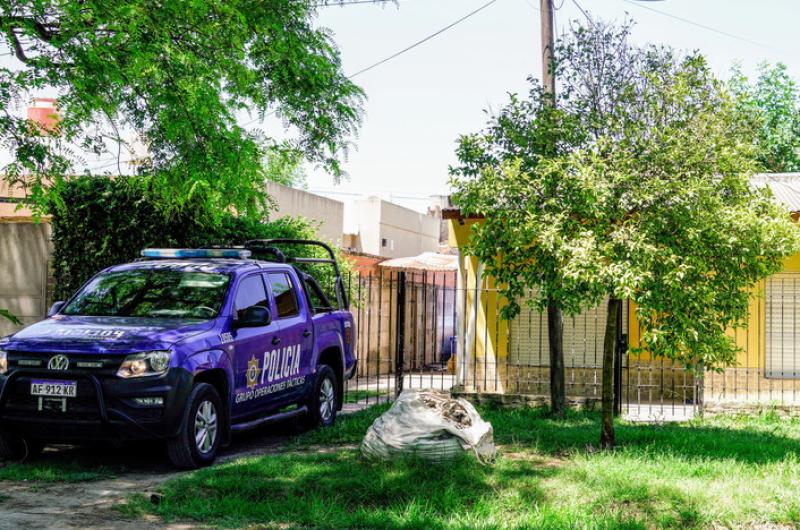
x: 327, y: 400
x: 205, y: 427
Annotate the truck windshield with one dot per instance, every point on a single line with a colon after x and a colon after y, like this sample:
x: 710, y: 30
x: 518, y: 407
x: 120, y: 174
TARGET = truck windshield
x: 151, y: 293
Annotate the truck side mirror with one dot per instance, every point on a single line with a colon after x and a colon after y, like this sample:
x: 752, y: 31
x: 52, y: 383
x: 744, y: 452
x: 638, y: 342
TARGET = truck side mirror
x: 253, y: 317
x: 55, y: 308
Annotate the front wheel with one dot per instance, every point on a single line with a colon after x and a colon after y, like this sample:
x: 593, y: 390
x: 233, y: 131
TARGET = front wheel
x: 322, y: 403
x: 18, y: 449
x: 198, y: 441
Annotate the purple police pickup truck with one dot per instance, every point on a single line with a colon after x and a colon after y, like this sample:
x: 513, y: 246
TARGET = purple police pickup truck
x: 187, y: 346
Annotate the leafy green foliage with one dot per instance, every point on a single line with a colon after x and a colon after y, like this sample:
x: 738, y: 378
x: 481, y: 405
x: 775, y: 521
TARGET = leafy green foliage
x: 175, y: 74
x: 645, y: 195
x: 772, y: 101
x: 99, y: 222
x: 285, y: 166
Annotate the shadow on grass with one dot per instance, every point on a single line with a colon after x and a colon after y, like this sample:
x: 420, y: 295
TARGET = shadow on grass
x: 327, y: 490
x: 65, y: 463
x: 82, y: 463
x: 342, y: 490
x: 86, y: 463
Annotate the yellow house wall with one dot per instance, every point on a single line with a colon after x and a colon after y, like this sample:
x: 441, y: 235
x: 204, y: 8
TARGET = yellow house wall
x: 752, y: 353
x: 489, y: 352
x: 486, y: 364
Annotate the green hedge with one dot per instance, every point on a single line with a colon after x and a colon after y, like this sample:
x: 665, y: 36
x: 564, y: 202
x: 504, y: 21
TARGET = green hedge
x: 98, y: 222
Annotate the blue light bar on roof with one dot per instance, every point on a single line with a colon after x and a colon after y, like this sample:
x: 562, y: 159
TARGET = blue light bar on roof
x: 195, y: 253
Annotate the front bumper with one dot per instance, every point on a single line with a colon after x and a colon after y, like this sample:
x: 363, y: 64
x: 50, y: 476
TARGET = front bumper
x: 104, y: 408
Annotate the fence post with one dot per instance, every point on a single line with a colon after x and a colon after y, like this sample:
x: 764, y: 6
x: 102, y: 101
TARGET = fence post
x: 700, y: 388
x: 401, y: 332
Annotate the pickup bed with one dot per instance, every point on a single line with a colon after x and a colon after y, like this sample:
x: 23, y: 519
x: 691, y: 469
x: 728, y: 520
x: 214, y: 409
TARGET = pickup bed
x: 186, y: 347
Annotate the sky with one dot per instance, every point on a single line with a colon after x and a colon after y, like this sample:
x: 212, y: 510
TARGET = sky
x: 420, y: 102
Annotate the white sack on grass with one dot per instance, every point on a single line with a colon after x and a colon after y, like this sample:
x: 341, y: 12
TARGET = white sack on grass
x: 429, y: 424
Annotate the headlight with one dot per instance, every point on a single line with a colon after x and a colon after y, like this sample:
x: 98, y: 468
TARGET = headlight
x: 142, y: 364
x: 3, y: 362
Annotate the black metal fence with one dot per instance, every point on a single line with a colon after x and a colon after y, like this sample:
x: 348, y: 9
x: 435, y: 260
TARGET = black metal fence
x: 405, y: 333
x: 431, y: 330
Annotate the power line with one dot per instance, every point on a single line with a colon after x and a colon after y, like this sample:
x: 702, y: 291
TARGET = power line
x: 703, y: 26
x: 426, y: 39
x: 401, y: 52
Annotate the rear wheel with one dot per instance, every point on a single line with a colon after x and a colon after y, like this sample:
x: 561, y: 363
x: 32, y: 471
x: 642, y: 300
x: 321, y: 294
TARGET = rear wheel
x: 198, y: 441
x: 322, y: 403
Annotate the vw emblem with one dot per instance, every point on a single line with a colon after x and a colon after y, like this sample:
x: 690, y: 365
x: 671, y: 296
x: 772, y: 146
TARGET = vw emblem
x: 58, y: 362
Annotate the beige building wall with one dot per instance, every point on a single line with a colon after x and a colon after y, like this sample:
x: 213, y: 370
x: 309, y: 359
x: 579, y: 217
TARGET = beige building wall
x: 24, y: 271
x: 9, y: 202
x: 390, y: 230
x: 328, y: 212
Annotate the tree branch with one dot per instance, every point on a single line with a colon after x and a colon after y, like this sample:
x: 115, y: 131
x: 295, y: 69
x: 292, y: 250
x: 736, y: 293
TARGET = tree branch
x: 44, y: 31
x: 19, y: 52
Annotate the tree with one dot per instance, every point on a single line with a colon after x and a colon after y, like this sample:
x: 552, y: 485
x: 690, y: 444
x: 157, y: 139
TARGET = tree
x: 175, y: 73
x: 773, y: 102
x: 593, y: 70
x: 648, y: 199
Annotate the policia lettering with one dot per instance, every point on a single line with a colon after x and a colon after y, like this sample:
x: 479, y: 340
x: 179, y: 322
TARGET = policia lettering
x: 280, y: 363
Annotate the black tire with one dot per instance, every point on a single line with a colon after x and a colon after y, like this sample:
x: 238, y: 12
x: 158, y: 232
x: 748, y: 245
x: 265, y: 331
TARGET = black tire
x: 318, y: 413
x: 183, y: 449
x: 18, y: 449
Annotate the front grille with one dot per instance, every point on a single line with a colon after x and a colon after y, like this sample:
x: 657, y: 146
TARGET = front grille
x: 95, y: 364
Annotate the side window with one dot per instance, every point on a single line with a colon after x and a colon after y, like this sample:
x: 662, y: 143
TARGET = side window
x: 316, y: 297
x: 251, y: 292
x: 284, y: 293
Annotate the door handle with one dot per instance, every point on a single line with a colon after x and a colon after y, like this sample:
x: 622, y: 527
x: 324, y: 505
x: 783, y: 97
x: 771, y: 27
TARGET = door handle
x: 276, y: 340
x: 306, y: 333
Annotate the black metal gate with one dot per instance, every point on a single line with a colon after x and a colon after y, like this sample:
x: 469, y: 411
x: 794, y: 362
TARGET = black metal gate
x: 405, y: 333
x: 413, y: 330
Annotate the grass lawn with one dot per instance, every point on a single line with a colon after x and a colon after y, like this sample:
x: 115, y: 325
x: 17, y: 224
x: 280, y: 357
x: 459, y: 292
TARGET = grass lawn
x: 361, y: 396
x: 724, y: 472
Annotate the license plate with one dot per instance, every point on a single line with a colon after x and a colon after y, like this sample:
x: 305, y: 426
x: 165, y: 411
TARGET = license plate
x: 49, y: 388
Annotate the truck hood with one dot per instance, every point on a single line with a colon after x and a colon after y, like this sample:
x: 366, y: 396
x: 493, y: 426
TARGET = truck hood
x: 104, y: 334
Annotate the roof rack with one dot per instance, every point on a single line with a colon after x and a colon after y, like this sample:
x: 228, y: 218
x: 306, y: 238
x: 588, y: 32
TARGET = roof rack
x: 267, y: 247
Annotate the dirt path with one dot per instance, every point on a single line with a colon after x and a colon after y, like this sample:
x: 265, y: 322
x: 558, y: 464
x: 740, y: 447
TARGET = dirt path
x: 90, y: 505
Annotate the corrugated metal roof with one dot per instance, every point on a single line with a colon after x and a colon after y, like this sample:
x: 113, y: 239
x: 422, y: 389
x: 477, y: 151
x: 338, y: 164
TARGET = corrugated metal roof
x: 785, y: 187
x: 427, y: 261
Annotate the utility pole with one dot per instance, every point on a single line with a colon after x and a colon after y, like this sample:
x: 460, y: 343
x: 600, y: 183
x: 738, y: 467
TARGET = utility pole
x: 548, y: 77
x: 555, y: 319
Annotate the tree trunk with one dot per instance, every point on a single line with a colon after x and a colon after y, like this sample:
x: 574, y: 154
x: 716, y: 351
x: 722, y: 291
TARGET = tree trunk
x: 607, y: 440
x: 555, y: 334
